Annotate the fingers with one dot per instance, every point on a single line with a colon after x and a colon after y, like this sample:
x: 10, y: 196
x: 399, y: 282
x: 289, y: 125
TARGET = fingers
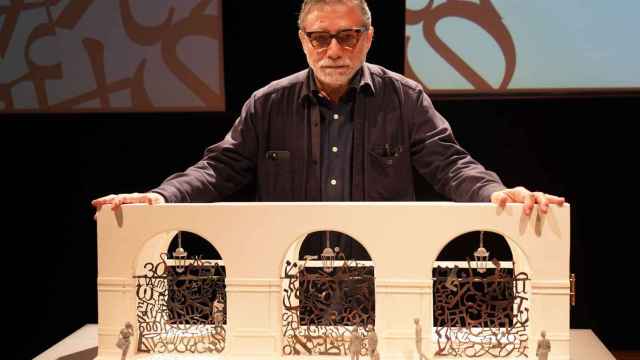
x: 542, y: 201
x: 134, y: 198
x: 97, y: 203
x: 499, y: 198
x: 118, y: 200
x: 529, y: 199
x: 556, y: 200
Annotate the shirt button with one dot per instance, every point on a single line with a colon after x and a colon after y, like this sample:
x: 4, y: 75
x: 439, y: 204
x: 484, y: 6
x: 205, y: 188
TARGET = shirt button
x: 333, y: 182
x: 334, y: 149
x: 336, y: 116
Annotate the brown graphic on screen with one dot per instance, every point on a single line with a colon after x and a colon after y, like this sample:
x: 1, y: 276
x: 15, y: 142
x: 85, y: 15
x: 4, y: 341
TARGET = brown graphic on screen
x: 120, y: 55
x: 482, y: 14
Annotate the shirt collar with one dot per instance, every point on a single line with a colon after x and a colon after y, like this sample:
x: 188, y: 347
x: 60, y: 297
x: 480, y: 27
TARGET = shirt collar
x: 361, y: 81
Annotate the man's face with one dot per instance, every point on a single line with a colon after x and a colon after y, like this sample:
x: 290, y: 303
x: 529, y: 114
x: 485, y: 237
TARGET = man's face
x: 335, y: 65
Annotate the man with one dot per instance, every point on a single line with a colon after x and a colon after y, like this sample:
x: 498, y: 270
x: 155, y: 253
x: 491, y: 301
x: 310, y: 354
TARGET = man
x: 342, y: 130
x: 372, y: 343
x: 421, y: 355
x: 124, y: 341
x: 355, y: 345
x: 544, y: 347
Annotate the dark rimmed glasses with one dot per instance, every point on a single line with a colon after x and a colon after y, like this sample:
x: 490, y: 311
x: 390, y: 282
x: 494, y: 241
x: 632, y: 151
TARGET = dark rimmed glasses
x: 347, y: 38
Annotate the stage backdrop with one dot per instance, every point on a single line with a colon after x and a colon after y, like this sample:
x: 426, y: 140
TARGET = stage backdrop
x: 111, y: 55
x: 461, y: 46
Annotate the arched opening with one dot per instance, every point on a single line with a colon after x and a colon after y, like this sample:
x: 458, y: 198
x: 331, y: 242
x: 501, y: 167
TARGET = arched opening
x: 328, y: 295
x: 480, y: 298
x: 181, y: 297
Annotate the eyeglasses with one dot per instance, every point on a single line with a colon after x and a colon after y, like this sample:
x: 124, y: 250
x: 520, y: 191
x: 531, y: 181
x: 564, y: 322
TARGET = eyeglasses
x: 347, y: 38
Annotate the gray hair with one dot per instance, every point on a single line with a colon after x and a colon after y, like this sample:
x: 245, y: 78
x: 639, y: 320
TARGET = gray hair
x: 361, y: 4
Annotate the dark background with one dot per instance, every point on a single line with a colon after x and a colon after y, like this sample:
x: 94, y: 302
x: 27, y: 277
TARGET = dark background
x: 53, y: 165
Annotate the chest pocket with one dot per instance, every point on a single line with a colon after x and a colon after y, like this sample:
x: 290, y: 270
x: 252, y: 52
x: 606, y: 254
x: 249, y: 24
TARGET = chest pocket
x: 277, y: 180
x: 386, y: 155
x: 389, y: 173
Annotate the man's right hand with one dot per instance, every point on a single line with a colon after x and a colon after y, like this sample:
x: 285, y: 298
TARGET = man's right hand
x: 135, y: 198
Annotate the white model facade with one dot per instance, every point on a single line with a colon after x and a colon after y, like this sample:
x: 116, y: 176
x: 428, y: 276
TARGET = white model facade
x: 256, y: 239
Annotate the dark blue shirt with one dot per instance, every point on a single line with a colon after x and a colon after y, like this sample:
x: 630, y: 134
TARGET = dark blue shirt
x: 336, y: 142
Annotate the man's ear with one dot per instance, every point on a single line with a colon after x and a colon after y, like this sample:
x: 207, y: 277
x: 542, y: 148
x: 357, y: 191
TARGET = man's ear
x: 370, y: 35
x: 303, y: 41
x: 302, y: 37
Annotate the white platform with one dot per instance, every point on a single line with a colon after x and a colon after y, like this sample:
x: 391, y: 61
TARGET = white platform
x: 83, y: 345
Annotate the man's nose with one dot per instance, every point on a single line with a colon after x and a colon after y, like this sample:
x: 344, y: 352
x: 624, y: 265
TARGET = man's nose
x: 334, y: 50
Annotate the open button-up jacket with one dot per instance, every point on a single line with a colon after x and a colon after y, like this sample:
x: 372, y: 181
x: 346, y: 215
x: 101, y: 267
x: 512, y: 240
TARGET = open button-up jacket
x: 276, y: 141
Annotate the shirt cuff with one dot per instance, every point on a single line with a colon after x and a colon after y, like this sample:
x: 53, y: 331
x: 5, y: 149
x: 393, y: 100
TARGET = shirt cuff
x: 485, y: 193
x: 167, y: 195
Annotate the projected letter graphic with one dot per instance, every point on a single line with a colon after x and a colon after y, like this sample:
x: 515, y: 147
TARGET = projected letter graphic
x: 509, y: 47
x: 117, y: 55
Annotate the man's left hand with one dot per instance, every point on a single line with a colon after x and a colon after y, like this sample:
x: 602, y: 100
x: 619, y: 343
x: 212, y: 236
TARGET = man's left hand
x: 522, y: 195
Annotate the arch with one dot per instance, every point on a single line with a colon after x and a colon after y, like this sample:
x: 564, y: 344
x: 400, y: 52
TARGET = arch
x: 181, y: 302
x: 195, y: 244
x: 162, y: 242
x: 466, y: 243
x: 314, y: 243
x: 518, y: 254
x: 293, y: 250
x: 475, y: 300
x: 326, y: 303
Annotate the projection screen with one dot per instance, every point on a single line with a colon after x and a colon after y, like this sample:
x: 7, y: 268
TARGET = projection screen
x: 523, y: 46
x: 111, y: 55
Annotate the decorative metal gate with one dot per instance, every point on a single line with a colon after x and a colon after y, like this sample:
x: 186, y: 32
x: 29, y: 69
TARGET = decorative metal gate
x: 479, y: 314
x: 325, y: 306
x: 181, y: 307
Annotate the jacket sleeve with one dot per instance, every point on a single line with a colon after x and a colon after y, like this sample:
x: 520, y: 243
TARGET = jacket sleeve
x: 225, y: 167
x: 438, y: 157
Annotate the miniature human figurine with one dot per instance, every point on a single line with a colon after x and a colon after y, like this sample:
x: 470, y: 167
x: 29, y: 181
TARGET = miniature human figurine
x: 544, y: 347
x: 419, y: 339
x: 218, y: 311
x: 372, y: 343
x: 124, y: 340
x: 356, y: 345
